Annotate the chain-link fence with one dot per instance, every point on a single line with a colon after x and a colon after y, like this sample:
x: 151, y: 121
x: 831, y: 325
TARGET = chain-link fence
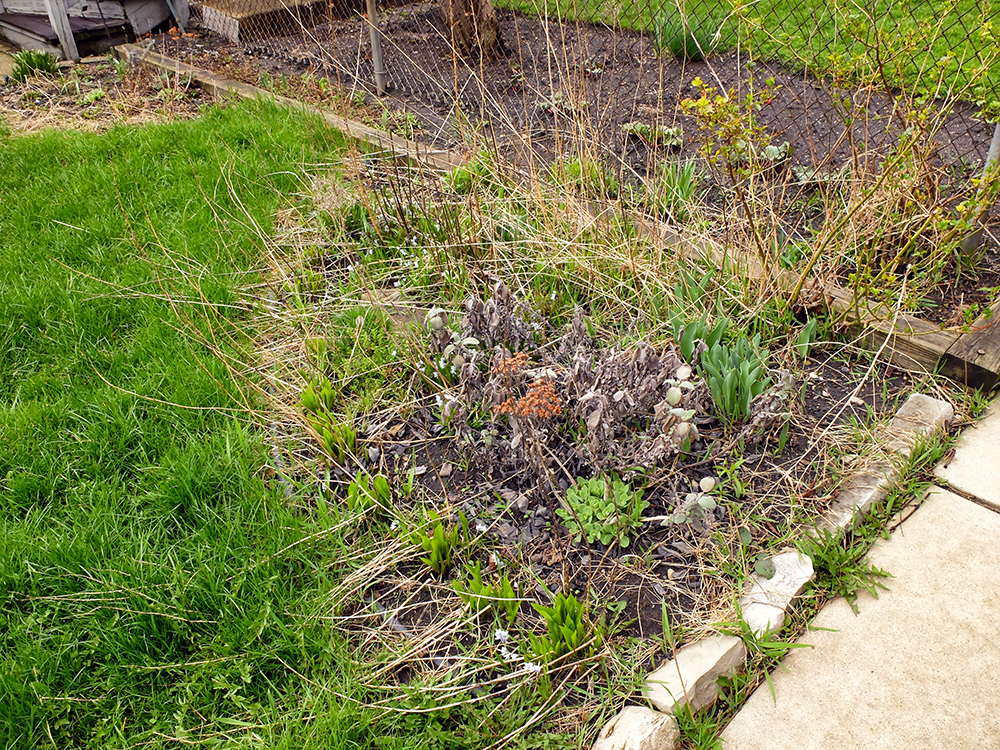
x: 821, y: 76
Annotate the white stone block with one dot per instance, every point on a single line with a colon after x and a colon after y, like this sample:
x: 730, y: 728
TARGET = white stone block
x: 639, y: 728
x: 765, y: 603
x: 691, y: 678
x: 920, y: 416
x: 857, y: 497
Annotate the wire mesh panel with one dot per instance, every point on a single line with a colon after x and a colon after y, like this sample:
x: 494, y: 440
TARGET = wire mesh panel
x: 534, y: 76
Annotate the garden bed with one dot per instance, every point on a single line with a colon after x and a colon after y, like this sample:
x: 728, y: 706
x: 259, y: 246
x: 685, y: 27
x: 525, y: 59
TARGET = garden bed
x: 531, y: 113
x: 97, y: 95
x: 487, y: 408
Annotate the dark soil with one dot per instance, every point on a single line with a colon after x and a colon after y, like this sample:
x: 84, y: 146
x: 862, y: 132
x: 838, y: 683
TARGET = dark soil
x: 555, y: 84
x: 554, y: 81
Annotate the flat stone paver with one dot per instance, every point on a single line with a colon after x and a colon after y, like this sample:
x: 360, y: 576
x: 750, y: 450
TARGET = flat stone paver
x: 918, y: 668
x: 976, y: 466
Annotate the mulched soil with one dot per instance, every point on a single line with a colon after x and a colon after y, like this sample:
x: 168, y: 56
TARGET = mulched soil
x: 92, y: 96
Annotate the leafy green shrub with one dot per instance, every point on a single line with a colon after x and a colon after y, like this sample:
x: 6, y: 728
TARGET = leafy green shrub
x: 366, y: 493
x: 566, y: 624
x: 499, y: 597
x: 686, y: 36
x: 603, y: 509
x: 29, y: 62
x: 440, y: 544
x: 736, y: 374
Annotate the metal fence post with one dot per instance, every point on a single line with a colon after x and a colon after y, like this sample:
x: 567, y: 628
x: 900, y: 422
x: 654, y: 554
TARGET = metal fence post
x: 376, y: 48
x: 971, y: 243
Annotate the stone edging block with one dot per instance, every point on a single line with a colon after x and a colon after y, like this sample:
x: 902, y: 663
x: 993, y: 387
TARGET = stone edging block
x: 765, y: 603
x: 639, y: 728
x: 920, y: 416
x: 691, y: 677
x: 858, y: 496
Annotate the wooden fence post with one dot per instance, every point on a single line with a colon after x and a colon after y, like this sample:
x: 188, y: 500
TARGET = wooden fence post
x: 59, y: 18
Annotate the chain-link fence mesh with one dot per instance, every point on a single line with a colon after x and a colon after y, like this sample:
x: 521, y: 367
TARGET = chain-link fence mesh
x: 822, y: 76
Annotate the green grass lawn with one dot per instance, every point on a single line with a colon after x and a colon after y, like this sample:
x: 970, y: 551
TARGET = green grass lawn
x: 156, y: 589
x: 940, y: 45
x: 147, y: 590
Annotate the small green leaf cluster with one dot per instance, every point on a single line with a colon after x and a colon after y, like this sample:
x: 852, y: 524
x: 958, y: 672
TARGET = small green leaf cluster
x: 479, y: 173
x: 695, y: 505
x: 366, y: 493
x: 841, y: 568
x: 566, y: 625
x: 603, y: 509
x: 660, y: 135
x: 588, y: 177
x: 736, y: 373
x: 29, y: 62
x: 337, y: 439
x: 676, y: 189
x: 806, y: 338
x: 441, y: 543
x: 688, y: 335
x: 499, y: 597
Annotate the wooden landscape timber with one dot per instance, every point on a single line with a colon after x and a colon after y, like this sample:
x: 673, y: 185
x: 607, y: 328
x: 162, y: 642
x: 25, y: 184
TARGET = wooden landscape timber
x: 909, y: 343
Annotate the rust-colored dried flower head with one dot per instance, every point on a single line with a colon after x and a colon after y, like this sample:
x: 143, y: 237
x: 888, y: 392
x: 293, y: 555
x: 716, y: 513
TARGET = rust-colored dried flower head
x: 540, y: 402
x: 511, y: 365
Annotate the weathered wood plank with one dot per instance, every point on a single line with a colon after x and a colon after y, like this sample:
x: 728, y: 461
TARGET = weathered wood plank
x: 27, y: 40
x: 977, y: 353
x: 60, y: 24
x: 416, y: 153
x: 74, y: 8
x: 183, y: 9
x: 145, y: 14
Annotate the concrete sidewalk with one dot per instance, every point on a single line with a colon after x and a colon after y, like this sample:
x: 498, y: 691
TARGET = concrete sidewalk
x: 919, y: 667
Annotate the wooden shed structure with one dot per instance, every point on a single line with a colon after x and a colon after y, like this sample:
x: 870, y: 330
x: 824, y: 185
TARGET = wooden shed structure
x: 73, y: 28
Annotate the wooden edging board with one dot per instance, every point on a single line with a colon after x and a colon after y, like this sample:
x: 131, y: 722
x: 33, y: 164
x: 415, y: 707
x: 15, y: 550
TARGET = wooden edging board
x: 910, y: 343
x: 913, y: 344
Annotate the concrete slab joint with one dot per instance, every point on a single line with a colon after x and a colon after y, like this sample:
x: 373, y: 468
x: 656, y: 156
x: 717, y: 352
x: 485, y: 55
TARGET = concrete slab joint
x: 975, y: 469
x: 768, y: 599
x: 690, y: 678
x: 639, y: 728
